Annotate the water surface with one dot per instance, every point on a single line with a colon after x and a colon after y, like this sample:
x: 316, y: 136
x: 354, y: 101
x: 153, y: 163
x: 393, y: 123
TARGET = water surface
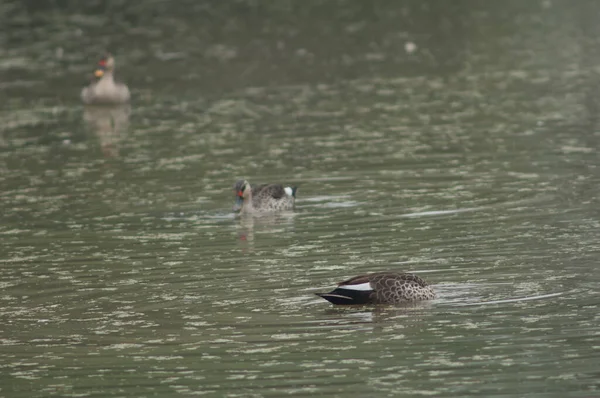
x: 470, y: 160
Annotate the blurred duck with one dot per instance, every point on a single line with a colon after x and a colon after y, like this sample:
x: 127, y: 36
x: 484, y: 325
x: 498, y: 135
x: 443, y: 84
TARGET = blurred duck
x: 263, y: 198
x: 105, y: 90
x: 380, y: 288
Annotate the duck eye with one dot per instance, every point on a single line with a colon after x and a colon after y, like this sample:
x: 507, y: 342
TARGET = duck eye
x: 243, y: 187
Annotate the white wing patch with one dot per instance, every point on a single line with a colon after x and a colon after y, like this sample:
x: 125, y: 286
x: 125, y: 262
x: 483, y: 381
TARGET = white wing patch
x: 289, y: 191
x: 362, y: 286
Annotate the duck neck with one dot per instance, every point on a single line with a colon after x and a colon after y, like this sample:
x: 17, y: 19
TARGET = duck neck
x: 248, y: 207
x: 108, y: 76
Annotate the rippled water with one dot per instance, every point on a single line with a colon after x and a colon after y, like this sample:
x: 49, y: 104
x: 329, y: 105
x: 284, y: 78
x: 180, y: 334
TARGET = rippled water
x: 471, y: 161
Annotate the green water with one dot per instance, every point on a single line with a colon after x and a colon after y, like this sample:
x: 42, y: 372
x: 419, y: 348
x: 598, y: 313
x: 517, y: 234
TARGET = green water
x: 472, y: 161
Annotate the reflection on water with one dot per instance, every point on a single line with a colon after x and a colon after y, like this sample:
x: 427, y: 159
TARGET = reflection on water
x: 469, y: 159
x: 109, y: 123
x: 251, y: 226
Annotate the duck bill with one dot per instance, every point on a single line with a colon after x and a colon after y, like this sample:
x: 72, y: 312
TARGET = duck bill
x: 239, y: 201
x: 99, y: 73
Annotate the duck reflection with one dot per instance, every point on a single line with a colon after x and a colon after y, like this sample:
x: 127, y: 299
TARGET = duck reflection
x: 109, y: 123
x: 269, y: 225
x: 409, y: 314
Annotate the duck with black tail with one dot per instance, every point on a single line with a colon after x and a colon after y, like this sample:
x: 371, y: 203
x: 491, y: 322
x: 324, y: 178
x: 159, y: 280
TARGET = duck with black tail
x: 267, y: 198
x: 380, y: 288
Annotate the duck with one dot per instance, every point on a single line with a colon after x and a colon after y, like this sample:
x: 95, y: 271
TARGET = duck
x: 264, y: 198
x: 105, y: 90
x: 380, y: 288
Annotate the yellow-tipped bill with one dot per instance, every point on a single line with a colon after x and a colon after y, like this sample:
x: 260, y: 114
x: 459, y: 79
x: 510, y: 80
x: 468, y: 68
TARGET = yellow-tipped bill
x: 99, y: 73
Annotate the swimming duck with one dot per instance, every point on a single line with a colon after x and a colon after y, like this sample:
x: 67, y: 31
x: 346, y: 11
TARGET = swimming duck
x: 264, y: 198
x: 105, y: 90
x: 380, y: 288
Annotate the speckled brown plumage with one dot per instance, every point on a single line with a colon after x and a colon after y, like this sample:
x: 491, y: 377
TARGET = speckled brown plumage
x: 263, y: 198
x: 385, y: 288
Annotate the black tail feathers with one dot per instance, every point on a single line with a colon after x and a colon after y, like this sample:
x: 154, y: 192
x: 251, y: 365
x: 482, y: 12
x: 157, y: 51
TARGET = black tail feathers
x: 346, y: 297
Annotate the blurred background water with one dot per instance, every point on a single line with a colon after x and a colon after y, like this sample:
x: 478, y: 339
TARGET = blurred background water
x: 457, y: 140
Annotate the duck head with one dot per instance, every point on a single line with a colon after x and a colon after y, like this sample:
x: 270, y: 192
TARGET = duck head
x: 242, y: 191
x: 106, y: 64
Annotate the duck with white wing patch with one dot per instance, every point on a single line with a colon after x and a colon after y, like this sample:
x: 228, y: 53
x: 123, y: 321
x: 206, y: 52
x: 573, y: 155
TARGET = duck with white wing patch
x: 264, y: 198
x: 380, y: 288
